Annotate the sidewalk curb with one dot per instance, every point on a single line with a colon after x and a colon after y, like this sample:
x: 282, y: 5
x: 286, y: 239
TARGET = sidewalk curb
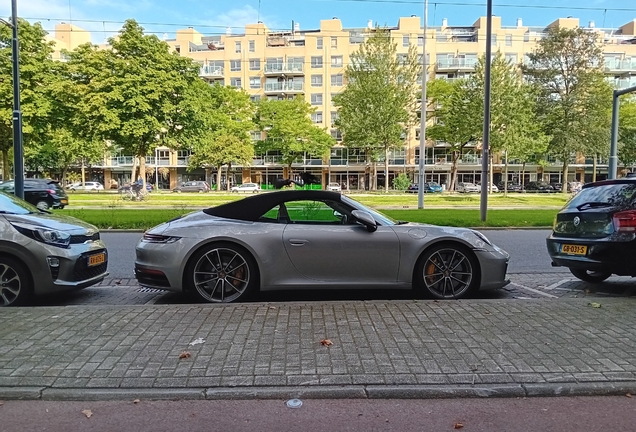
x: 323, y: 392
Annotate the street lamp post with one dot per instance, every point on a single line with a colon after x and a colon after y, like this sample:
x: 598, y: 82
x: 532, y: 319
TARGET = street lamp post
x: 422, y: 161
x: 18, y: 164
x: 485, y: 151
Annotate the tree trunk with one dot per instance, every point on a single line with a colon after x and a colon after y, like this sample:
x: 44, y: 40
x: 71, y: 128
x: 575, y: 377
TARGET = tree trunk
x: 142, y: 170
x: 386, y: 170
x: 134, y: 170
x: 490, y: 169
x: 564, y: 178
x: 219, y: 177
x: 451, y: 187
x: 374, y: 175
x: 6, y: 169
x: 64, y: 171
x: 523, y: 176
x: 506, y: 177
x: 594, y: 170
x: 227, y: 177
x: 83, y: 174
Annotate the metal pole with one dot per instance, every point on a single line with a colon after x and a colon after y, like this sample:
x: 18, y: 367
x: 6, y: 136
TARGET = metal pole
x: 18, y: 163
x: 483, y: 205
x: 420, y: 183
x: 613, y: 159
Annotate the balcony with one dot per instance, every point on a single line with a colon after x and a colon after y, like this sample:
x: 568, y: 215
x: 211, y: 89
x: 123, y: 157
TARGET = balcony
x: 621, y: 66
x: 284, y: 88
x: 211, y: 72
x: 456, y: 64
x: 282, y: 69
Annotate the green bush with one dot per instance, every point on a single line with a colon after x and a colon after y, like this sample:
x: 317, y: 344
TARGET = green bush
x: 401, y: 182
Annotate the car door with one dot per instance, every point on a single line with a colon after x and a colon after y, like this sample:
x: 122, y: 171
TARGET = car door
x: 323, y: 248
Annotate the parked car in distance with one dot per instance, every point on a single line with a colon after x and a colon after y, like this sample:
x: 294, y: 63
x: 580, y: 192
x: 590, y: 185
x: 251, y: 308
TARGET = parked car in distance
x: 193, y: 186
x: 594, y: 235
x: 246, y: 187
x: 42, y: 193
x: 539, y: 186
x: 512, y: 187
x: 465, y: 187
x: 334, y: 187
x: 312, y: 239
x: 43, y: 253
x: 87, y: 186
x: 493, y: 189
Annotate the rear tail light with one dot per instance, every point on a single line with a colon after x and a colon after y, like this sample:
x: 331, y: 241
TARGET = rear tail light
x: 625, y: 221
x: 51, y: 192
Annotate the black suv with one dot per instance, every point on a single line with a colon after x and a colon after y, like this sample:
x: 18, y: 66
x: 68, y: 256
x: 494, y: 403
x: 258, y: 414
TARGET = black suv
x: 42, y: 193
x: 539, y: 186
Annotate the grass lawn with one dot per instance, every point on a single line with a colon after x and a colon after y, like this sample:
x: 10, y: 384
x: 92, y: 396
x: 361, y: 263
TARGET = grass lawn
x: 122, y: 218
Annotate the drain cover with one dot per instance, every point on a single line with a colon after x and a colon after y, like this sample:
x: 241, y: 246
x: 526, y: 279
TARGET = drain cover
x: 294, y: 403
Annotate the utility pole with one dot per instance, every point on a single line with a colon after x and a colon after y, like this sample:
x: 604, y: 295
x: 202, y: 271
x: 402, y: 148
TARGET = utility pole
x: 485, y: 153
x: 421, y: 179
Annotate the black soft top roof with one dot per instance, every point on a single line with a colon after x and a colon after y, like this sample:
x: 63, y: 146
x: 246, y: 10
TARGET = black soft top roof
x: 252, y: 208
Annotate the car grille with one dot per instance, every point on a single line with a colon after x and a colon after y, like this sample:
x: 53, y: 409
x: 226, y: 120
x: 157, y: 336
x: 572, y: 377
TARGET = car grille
x: 82, y: 271
x: 79, y: 239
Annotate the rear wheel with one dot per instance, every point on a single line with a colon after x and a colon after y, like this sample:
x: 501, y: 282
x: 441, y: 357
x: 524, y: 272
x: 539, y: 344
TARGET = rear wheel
x: 15, y: 284
x: 42, y: 205
x: 223, y: 273
x: 448, y: 271
x: 589, y: 275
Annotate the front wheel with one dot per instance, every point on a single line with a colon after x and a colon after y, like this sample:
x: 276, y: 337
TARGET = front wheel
x: 448, y: 271
x: 589, y: 275
x: 223, y: 273
x: 15, y: 283
x: 42, y: 205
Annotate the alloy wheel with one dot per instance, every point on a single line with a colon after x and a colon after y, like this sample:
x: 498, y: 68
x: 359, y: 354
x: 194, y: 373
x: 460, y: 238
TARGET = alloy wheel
x: 221, y: 275
x: 448, y: 273
x: 10, y: 284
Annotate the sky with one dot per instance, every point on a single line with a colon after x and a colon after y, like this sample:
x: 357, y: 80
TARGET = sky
x: 162, y: 17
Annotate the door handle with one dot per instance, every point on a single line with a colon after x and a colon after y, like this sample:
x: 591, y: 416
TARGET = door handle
x: 298, y: 242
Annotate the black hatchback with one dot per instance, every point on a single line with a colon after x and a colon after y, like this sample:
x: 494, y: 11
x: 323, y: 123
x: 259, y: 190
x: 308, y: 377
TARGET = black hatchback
x: 42, y: 193
x: 594, y: 235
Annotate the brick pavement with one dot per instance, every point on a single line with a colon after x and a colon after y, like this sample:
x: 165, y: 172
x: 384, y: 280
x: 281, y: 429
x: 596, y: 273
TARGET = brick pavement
x: 399, y: 348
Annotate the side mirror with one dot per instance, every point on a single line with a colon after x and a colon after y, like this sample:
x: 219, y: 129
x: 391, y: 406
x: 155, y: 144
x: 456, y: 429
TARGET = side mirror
x: 365, y: 219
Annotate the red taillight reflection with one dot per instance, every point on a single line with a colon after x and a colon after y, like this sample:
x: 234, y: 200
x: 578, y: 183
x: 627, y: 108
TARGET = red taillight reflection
x: 51, y: 191
x: 625, y: 221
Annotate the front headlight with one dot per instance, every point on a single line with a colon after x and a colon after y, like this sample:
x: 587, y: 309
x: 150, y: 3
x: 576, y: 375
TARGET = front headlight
x: 156, y: 238
x: 44, y: 235
x: 482, y: 238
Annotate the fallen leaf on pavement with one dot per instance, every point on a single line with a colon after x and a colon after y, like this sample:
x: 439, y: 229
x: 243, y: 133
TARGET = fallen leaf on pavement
x: 326, y: 342
x: 628, y: 395
x: 87, y: 413
x: 117, y: 282
x: 184, y: 355
x: 458, y: 426
x: 594, y: 305
x: 136, y: 401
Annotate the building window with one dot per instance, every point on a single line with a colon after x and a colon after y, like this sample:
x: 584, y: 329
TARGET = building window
x: 237, y: 47
x: 235, y: 82
x: 405, y: 41
x: 255, y: 82
x: 235, y: 65
x: 334, y: 42
x: 177, y: 48
x: 511, y: 58
x: 316, y: 98
x: 334, y: 117
x: 316, y: 80
x: 255, y: 135
x: 336, y: 80
x: 252, y: 46
x: 318, y: 43
x: 316, y: 117
x: 336, y: 61
x: 255, y: 98
x: 508, y: 40
x: 336, y: 134
x: 493, y: 41
x: 420, y: 41
x: 316, y: 62
x: 255, y: 64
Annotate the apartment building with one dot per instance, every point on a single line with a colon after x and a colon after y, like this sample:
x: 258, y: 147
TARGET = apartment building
x: 311, y: 63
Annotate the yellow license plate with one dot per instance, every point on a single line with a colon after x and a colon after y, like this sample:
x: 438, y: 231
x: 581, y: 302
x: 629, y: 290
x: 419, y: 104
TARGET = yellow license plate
x: 64, y: 201
x: 98, y: 259
x: 573, y: 249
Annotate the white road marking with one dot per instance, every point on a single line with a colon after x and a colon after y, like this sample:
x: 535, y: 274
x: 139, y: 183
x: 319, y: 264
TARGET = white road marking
x: 558, y: 284
x: 533, y: 290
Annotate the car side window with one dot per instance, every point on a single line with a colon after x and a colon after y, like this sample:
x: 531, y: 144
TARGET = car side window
x: 313, y: 212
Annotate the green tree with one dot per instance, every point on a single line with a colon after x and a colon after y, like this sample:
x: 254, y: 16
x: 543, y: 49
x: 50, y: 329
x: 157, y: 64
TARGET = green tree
x: 380, y: 98
x: 222, y: 132
x: 514, y: 127
x: 627, y: 132
x: 138, y: 97
x: 401, y: 182
x: 566, y: 68
x: 35, y: 66
x: 289, y: 129
x: 457, y: 122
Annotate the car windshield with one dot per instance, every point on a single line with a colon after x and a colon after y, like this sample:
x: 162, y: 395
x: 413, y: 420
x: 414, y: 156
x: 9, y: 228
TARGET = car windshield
x: 383, y: 219
x: 616, y: 195
x: 10, y: 204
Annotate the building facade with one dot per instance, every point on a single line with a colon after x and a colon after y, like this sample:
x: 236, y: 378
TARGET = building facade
x: 311, y: 63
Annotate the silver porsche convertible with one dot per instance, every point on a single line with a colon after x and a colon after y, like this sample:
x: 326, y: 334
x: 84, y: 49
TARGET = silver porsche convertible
x: 316, y: 240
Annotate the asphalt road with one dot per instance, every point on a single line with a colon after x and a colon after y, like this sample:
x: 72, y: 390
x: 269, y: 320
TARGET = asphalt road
x: 526, y: 248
